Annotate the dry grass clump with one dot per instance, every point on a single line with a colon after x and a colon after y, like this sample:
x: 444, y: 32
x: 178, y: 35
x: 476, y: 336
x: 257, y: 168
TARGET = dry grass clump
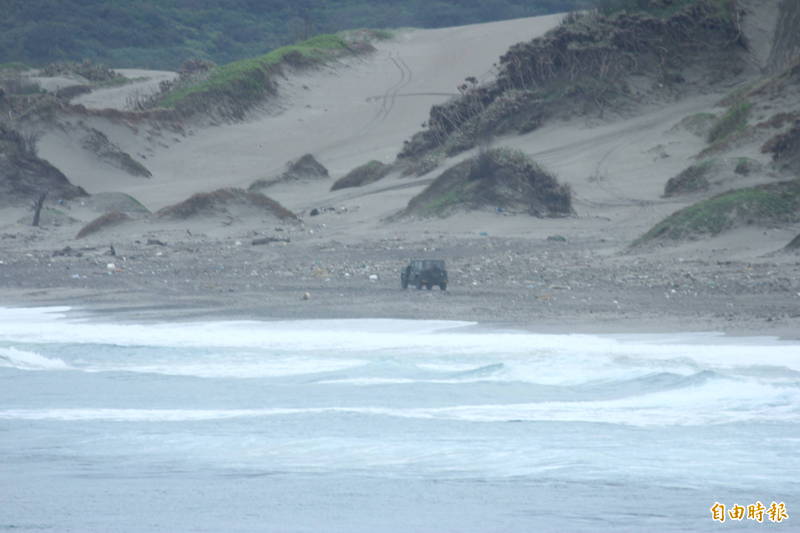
x: 305, y: 168
x: 734, y: 120
x: 692, y: 179
x: 589, y: 63
x: 97, y: 142
x: 109, y: 220
x: 500, y: 179
x: 218, y: 202
x: 86, y: 68
x: 363, y: 175
x: 233, y: 89
x: 24, y: 176
x: 785, y: 148
x: 768, y: 205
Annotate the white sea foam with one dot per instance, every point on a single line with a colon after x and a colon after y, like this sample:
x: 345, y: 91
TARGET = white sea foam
x: 422, y: 337
x: 24, y: 360
x: 434, y: 348
x: 378, y: 381
x: 717, y: 402
x: 237, y: 368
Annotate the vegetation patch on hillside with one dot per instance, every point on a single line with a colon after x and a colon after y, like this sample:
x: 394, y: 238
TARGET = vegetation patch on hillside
x: 794, y: 244
x: 306, y: 168
x: 734, y: 120
x: 98, y: 143
x: 86, y: 69
x: 108, y: 220
x: 785, y: 149
x: 13, y: 83
x: 422, y: 165
x: 746, y: 166
x: 588, y: 64
x: 24, y: 176
x: 225, y: 202
x: 692, y: 179
x: 363, y: 175
x: 499, y: 179
x: 234, y: 88
x: 106, y: 202
x: 699, y: 124
x: 764, y: 205
x: 13, y: 66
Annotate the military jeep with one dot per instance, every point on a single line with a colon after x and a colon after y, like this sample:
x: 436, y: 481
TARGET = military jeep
x: 424, y: 273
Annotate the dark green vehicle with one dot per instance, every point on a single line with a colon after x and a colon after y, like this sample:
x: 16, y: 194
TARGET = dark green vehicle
x: 424, y: 273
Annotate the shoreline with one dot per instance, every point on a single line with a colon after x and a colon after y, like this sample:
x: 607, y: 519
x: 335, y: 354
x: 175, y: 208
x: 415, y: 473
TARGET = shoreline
x: 526, y: 284
x: 145, y: 313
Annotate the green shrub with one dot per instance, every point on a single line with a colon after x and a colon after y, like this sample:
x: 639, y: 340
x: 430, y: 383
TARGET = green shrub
x: 87, y: 69
x: 735, y: 119
x: 698, y: 123
x: 423, y: 165
x: 661, y: 9
x: 383, y: 35
x: 587, y: 64
x: 217, y: 202
x: 498, y: 178
x: 14, y: 66
x: 692, y: 179
x: 248, y: 80
x: 363, y: 175
x: 762, y: 205
x: 744, y: 166
x: 20, y: 85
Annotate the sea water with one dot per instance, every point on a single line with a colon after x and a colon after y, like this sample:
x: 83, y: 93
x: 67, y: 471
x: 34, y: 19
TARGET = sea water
x: 387, y: 425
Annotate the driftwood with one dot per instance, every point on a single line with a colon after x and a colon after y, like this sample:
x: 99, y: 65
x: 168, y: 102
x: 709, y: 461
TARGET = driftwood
x: 268, y: 240
x: 37, y: 206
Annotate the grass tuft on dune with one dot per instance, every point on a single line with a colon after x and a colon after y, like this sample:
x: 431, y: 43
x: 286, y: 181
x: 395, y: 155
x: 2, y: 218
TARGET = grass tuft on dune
x: 764, y: 205
x: 246, y: 81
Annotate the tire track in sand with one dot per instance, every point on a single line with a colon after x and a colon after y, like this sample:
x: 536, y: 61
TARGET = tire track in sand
x: 387, y: 100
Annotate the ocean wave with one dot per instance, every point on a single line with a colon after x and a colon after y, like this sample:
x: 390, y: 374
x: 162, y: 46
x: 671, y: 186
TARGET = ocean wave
x: 237, y: 368
x: 574, y: 372
x: 710, y: 403
x: 407, y: 338
x: 394, y: 373
x: 656, y: 381
x: 23, y: 360
x: 482, y: 371
x: 377, y: 352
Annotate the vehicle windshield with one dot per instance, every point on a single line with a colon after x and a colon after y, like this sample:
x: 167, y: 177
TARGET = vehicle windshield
x: 430, y: 264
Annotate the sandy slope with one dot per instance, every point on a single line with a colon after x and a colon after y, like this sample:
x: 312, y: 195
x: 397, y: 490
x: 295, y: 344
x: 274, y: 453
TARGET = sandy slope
x: 345, y: 115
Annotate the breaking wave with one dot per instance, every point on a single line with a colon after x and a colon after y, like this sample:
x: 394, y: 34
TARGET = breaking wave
x: 23, y: 360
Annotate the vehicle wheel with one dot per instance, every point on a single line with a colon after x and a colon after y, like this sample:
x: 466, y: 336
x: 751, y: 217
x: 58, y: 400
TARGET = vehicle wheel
x: 428, y: 286
x: 443, y: 286
x: 419, y: 285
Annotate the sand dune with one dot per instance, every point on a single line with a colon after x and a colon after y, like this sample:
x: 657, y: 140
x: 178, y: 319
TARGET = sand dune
x: 362, y: 109
x: 345, y: 114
